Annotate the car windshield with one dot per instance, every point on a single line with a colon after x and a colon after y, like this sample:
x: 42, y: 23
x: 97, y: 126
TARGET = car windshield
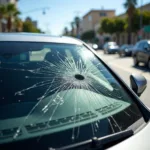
x: 130, y: 46
x: 112, y: 44
x: 124, y: 46
x: 51, y: 89
x: 149, y: 43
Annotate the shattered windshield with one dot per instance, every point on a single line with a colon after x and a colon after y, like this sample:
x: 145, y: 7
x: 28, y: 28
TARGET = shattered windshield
x: 50, y: 88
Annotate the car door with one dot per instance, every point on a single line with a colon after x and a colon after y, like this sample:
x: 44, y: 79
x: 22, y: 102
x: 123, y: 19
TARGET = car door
x: 140, y: 52
x: 135, y: 49
x: 146, y: 52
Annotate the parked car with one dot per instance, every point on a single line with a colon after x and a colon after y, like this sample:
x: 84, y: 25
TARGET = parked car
x: 125, y: 50
x: 141, y: 53
x: 65, y: 97
x: 110, y: 48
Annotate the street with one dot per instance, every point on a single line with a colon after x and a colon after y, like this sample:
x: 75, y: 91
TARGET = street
x: 124, y: 68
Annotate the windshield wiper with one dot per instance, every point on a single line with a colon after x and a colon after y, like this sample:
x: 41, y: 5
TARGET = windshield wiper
x: 100, y: 143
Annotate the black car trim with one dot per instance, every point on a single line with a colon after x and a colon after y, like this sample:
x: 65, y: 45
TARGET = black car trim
x: 100, y: 143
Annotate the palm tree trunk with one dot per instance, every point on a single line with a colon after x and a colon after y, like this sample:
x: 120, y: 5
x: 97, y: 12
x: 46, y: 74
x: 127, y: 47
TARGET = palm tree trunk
x: 77, y: 31
x: 9, y: 24
x: 0, y: 23
x: 72, y: 31
x: 129, y: 29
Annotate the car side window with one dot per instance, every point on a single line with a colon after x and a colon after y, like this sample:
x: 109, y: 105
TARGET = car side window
x: 137, y: 45
x: 141, y: 45
x: 146, y: 46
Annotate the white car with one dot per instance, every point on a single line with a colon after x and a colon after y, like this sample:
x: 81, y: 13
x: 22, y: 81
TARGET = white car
x: 56, y: 93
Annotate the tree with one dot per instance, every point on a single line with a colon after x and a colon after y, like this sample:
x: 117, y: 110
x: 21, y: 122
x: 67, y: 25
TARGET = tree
x: 12, y: 12
x: 112, y: 25
x: 119, y: 27
x: 18, y: 25
x: 72, y: 28
x: 88, y: 36
x: 136, y: 20
x: 2, y: 11
x: 29, y: 27
x: 130, y: 7
x: 77, y: 23
x: 2, y: 14
x: 66, y: 31
x: 107, y: 25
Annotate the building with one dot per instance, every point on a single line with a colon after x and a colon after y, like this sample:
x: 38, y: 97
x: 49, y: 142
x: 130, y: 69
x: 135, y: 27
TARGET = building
x: 92, y: 19
x: 4, y: 2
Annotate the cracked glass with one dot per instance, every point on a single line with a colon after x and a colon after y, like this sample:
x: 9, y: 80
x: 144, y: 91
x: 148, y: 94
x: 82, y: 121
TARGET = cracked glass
x: 53, y: 89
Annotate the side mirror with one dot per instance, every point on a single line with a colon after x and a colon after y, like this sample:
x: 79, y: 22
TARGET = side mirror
x: 146, y: 47
x: 138, y: 83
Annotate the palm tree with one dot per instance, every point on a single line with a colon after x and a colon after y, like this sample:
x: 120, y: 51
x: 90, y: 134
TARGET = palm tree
x: 2, y: 14
x: 77, y: 22
x: 72, y: 28
x: 12, y: 12
x: 130, y: 7
x: 18, y: 24
x: 66, y: 31
x: 2, y: 11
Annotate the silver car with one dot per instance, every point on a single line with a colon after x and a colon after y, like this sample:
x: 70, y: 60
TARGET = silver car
x: 111, y: 48
x: 56, y: 93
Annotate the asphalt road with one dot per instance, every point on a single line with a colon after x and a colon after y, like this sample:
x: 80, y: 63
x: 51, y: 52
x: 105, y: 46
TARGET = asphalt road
x: 124, y: 68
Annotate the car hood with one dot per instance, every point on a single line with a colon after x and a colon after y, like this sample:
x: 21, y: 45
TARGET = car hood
x: 138, y: 141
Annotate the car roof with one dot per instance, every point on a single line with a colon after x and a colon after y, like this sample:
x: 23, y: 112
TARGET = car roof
x: 146, y: 40
x: 111, y: 42
x: 34, y: 37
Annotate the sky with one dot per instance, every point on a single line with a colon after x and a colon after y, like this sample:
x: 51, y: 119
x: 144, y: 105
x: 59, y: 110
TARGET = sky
x: 60, y: 13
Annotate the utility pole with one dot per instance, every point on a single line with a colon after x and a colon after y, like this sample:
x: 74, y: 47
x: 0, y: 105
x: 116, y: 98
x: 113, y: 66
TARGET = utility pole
x: 141, y: 16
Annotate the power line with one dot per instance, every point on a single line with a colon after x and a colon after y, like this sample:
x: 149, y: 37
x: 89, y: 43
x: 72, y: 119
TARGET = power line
x: 37, y: 9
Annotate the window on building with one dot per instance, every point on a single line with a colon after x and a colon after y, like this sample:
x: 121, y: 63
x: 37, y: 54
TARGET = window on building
x: 90, y: 18
x: 102, y: 14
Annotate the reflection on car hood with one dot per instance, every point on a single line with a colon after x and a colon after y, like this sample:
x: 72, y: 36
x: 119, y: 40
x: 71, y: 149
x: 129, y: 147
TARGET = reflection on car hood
x: 139, y: 141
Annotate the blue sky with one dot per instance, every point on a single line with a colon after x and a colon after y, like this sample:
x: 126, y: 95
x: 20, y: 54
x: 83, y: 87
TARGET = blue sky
x: 62, y: 12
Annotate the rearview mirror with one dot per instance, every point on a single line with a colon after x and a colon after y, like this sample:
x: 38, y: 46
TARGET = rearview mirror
x: 138, y: 83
